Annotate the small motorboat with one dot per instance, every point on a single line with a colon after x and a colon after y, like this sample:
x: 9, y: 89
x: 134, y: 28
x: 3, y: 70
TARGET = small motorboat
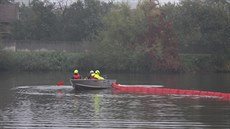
x: 85, y: 84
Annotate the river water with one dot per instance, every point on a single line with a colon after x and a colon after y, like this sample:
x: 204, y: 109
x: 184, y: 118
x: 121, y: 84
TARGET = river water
x: 33, y: 101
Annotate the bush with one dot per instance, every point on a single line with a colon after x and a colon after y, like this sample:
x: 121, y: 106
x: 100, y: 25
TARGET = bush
x: 204, y: 63
x: 41, y: 61
x: 114, y: 62
x: 5, y: 60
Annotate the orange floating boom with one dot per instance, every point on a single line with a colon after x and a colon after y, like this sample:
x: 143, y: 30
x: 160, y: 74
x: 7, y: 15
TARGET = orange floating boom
x: 60, y: 83
x: 168, y: 91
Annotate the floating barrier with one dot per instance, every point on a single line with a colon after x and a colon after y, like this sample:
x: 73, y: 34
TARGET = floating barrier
x: 168, y: 91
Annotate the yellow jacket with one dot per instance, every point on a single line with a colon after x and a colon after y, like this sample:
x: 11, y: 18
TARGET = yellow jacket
x: 98, y: 77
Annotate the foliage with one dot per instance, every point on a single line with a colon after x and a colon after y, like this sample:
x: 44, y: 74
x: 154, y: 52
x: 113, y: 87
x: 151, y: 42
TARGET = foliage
x: 5, y: 1
x: 41, y: 61
x: 205, y: 63
x: 197, y: 62
x: 37, y: 21
x: 160, y: 38
x: 146, y: 38
x: 43, y: 20
x: 201, y: 23
x: 139, y: 39
x: 5, y: 60
x: 54, y: 61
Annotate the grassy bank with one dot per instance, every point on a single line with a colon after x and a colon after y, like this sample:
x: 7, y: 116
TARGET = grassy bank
x: 39, y: 61
x: 59, y: 61
x: 205, y: 63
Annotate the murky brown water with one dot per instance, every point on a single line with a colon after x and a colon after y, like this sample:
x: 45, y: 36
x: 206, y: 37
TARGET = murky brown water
x: 34, y: 101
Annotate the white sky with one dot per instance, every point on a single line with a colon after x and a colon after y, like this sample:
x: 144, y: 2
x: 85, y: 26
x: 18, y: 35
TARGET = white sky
x: 165, y: 1
x: 135, y: 1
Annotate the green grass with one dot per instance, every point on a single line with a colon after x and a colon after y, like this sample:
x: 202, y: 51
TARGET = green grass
x: 63, y: 61
x: 205, y: 63
x: 43, y: 61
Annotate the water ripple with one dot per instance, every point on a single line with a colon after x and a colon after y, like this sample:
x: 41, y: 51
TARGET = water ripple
x: 52, y: 107
x: 112, y: 123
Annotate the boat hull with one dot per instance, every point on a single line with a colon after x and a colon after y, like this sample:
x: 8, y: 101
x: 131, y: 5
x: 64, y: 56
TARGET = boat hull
x: 91, y: 84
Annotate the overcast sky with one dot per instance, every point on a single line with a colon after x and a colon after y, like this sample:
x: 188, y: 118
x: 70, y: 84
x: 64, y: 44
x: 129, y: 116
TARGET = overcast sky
x: 165, y: 1
x: 135, y: 1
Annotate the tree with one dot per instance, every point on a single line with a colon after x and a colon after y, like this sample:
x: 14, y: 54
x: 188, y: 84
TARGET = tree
x: 202, y: 23
x: 83, y: 20
x: 43, y: 20
x: 161, y: 41
x: 139, y: 37
x: 6, y: 1
x: 72, y: 22
x: 37, y: 21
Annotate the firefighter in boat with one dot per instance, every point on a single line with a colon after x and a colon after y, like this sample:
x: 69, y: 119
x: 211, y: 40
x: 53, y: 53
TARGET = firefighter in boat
x: 76, y: 75
x: 91, y: 75
x: 97, y: 75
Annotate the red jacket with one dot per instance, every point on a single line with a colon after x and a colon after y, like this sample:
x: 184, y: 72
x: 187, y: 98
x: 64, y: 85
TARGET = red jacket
x: 76, y: 76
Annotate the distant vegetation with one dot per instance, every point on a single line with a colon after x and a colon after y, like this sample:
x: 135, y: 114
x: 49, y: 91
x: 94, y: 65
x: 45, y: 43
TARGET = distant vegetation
x: 55, y: 61
x: 192, y: 35
x: 44, y: 20
x: 203, y: 23
x: 4, y: 59
x: 45, y: 61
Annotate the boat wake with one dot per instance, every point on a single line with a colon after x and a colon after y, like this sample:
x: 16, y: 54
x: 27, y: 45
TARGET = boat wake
x: 47, y: 90
x: 44, y: 87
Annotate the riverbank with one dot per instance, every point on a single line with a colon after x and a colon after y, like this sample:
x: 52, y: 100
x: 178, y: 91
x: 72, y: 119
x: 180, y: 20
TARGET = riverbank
x: 63, y: 61
x: 205, y: 63
x: 38, y: 61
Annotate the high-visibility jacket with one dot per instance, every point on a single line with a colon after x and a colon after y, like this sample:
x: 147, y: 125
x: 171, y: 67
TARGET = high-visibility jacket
x: 91, y: 76
x: 98, y: 77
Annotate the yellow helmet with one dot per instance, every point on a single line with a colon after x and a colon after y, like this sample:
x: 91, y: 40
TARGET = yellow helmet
x: 97, y: 72
x: 76, y: 71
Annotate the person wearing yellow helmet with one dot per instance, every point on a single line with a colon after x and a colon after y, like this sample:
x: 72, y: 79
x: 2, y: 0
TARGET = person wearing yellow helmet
x: 97, y: 75
x: 76, y: 75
